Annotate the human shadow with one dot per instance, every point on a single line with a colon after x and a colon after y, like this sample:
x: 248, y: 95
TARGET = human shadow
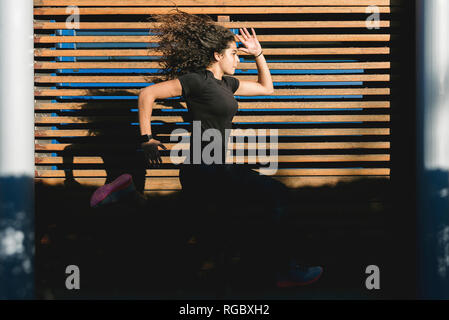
x: 112, y: 134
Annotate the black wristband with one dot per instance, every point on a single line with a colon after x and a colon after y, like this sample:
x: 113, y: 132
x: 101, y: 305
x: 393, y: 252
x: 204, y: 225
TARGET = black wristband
x: 145, y: 138
x: 258, y: 54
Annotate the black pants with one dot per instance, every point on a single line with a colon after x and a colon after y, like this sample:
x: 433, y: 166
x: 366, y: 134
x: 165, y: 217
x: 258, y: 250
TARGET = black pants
x: 234, y: 190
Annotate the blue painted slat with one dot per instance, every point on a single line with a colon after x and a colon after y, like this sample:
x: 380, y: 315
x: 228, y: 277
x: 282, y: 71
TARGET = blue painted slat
x: 254, y: 72
x: 239, y: 97
x: 136, y: 84
x: 113, y: 45
x: 259, y: 110
x: 301, y: 97
x: 117, y: 32
x: 317, y: 122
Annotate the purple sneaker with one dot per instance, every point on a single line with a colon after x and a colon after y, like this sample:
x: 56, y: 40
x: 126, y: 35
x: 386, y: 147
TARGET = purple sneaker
x: 112, y: 192
x: 298, y: 276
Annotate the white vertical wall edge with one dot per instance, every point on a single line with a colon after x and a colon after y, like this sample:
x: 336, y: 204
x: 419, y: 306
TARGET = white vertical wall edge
x: 436, y: 84
x: 16, y: 88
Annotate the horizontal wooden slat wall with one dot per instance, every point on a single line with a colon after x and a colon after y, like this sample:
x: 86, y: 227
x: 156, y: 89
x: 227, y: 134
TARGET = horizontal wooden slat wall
x: 331, y: 104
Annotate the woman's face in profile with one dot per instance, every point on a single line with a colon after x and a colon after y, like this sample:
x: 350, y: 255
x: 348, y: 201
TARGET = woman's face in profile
x: 230, y: 59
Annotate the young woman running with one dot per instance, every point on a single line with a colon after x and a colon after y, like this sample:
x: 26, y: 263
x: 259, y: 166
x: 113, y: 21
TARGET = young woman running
x: 199, y: 59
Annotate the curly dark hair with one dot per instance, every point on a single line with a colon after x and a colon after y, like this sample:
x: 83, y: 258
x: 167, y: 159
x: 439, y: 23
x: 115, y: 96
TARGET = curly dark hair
x: 188, y: 42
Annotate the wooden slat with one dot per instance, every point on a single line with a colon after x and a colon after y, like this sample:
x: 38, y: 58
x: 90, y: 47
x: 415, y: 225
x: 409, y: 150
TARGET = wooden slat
x: 281, y: 132
x: 281, y: 158
x: 242, y: 105
x: 153, y: 52
x: 261, y: 38
x: 242, y: 65
x: 102, y: 173
x: 237, y: 24
x: 152, y: 184
x: 241, y: 118
x: 275, y: 78
x: 131, y: 3
x: 175, y: 172
x: 281, y: 146
x: 299, y: 182
x: 206, y: 10
x: 277, y: 92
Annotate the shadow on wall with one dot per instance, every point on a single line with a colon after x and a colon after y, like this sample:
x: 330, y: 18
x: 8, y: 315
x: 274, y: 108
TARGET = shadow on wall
x: 112, y: 136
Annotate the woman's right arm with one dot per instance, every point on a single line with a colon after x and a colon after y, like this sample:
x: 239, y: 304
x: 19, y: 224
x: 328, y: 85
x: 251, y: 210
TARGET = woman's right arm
x: 147, y: 97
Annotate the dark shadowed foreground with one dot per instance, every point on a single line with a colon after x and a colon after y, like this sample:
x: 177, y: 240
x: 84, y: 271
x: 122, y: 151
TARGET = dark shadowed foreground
x: 163, y: 250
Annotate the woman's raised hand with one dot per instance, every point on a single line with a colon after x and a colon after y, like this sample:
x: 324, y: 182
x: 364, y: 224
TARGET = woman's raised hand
x: 151, y: 152
x: 252, y: 45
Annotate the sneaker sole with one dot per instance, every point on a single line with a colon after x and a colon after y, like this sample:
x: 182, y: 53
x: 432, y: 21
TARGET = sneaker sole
x: 112, y: 191
x: 289, y: 284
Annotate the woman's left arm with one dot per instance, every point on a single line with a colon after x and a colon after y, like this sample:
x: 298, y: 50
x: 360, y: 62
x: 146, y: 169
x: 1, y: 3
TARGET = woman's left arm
x: 264, y: 84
